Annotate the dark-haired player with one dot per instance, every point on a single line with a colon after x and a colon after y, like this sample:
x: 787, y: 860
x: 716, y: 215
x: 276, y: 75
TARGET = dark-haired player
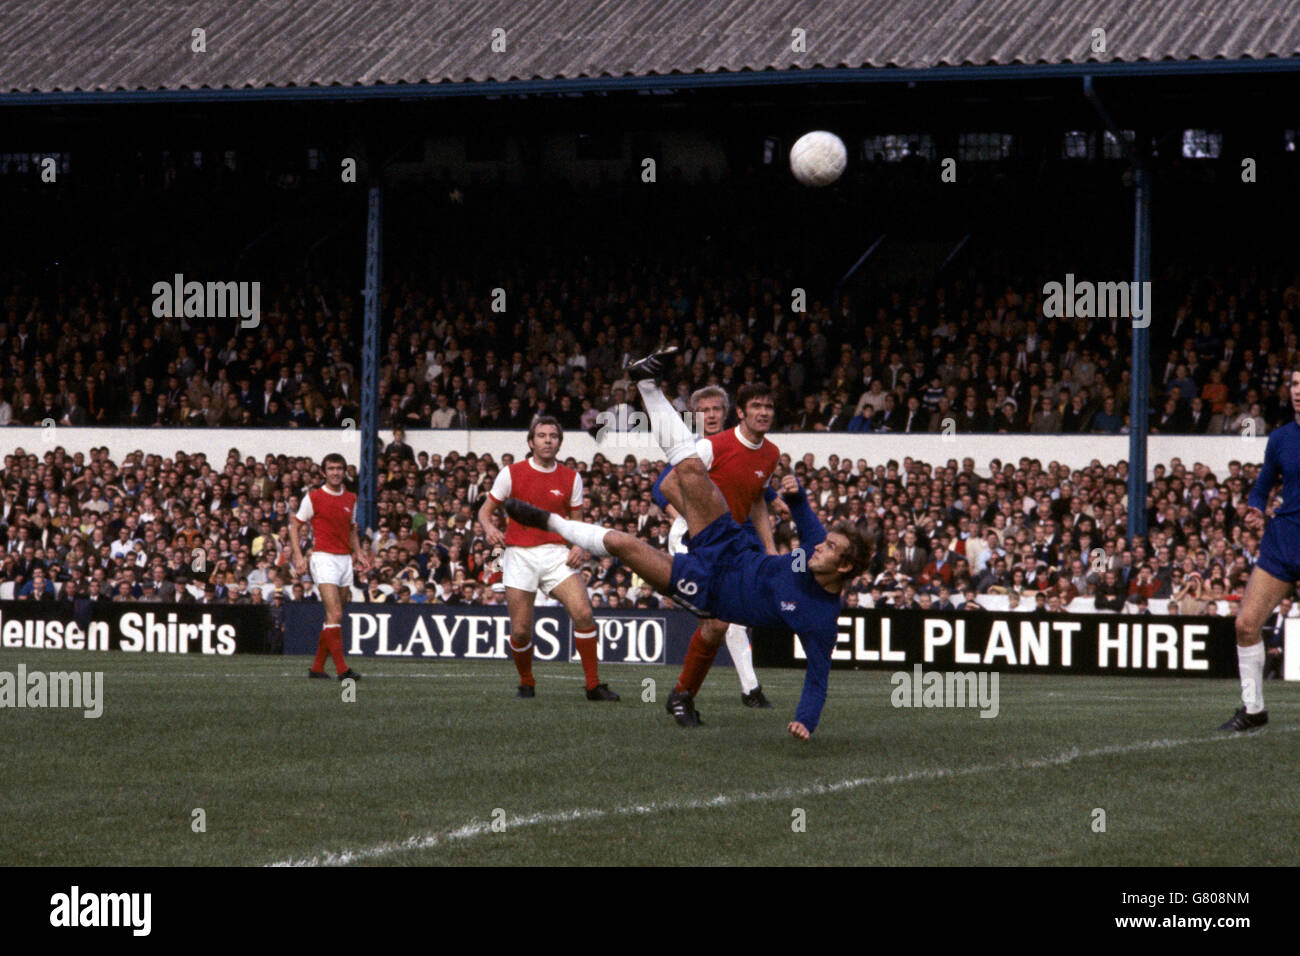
x: 727, y: 574
x: 331, y: 509
x: 1278, y: 567
x: 740, y: 462
x: 536, y: 558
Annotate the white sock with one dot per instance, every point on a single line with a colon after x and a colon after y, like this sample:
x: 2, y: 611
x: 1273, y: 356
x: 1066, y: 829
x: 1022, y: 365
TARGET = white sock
x: 1250, y: 664
x: 742, y: 655
x: 588, y: 536
x: 672, y: 434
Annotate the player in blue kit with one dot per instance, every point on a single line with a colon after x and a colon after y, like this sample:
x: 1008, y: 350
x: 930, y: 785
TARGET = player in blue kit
x: 1278, y: 567
x: 727, y: 573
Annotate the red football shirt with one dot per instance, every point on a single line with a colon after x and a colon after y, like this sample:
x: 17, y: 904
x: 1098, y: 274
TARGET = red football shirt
x: 740, y: 470
x: 556, y: 491
x: 332, y: 517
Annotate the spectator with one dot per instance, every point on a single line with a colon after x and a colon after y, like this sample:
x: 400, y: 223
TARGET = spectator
x: 939, y: 570
x: 1046, y: 420
x: 1190, y: 598
x: 39, y: 588
x: 1111, y: 595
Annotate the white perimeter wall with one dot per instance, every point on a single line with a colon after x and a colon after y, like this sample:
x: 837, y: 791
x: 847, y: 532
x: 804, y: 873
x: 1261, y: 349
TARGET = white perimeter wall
x: 1071, y: 450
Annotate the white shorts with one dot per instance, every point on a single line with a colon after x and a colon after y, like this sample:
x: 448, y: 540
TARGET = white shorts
x: 329, y: 568
x: 543, y: 566
x: 675, y: 535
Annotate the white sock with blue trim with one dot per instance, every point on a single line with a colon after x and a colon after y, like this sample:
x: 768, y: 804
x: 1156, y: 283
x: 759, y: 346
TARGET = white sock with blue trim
x: 588, y: 536
x: 673, y: 435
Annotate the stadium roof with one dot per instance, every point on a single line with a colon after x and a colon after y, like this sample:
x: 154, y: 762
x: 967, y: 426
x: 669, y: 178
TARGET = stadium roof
x: 66, y: 49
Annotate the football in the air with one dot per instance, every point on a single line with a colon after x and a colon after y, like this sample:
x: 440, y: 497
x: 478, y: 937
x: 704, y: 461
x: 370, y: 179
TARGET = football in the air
x: 818, y: 158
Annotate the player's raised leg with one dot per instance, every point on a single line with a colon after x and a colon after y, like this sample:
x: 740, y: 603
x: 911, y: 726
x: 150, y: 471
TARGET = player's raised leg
x: 653, y: 565
x: 692, y: 492
x: 573, y: 595
x: 687, y: 487
x: 1264, y: 592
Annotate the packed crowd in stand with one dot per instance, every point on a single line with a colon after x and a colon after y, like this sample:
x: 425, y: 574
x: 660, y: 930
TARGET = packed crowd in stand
x: 946, y: 533
x: 964, y: 358
x: 983, y: 359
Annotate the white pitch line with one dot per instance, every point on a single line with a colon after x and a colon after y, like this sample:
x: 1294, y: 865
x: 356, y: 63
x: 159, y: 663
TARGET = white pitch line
x: 476, y: 828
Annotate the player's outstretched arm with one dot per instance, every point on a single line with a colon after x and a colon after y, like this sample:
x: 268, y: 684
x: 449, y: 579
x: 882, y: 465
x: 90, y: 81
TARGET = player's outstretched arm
x: 811, y: 532
x: 1267, y: 479
x: 359, y: 557
x: 494, y: 535
x: 776, y: 505
x: 500, y: 491
x: 815, y: 681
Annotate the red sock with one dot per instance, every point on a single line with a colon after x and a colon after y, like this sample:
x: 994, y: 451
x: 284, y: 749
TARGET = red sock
x: 699, y: 658
x: 586, y: 641
x: 322, y: 652
x: 333, y: 635
x: 524, y: 663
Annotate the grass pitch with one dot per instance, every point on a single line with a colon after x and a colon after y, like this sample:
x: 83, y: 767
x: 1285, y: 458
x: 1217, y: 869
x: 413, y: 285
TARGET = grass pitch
x: 431, y: 755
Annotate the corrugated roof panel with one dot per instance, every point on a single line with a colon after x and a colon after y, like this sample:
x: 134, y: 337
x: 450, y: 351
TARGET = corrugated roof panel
x: 63, y: 45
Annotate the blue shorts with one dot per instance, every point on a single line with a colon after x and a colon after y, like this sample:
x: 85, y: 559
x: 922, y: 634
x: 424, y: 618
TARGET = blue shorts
x: 717, y: 553
x: 1279, y: 551
x: 746, y: 527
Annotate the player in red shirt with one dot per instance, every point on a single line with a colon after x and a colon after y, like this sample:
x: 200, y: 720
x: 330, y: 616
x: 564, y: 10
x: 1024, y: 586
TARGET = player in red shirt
x: 740, y: 462
x: 536, y: 558
x: 332, y: 512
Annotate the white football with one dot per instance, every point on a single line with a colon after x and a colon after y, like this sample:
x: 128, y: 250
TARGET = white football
x: 818, y: 158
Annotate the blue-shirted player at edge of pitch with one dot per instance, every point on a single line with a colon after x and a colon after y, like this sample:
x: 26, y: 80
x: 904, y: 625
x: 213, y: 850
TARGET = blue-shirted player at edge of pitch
x: 1277, y: 569
x: 727, y: 574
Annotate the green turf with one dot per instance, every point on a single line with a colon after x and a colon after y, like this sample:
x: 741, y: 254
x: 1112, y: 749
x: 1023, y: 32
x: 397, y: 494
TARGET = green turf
x: 286, y: 771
